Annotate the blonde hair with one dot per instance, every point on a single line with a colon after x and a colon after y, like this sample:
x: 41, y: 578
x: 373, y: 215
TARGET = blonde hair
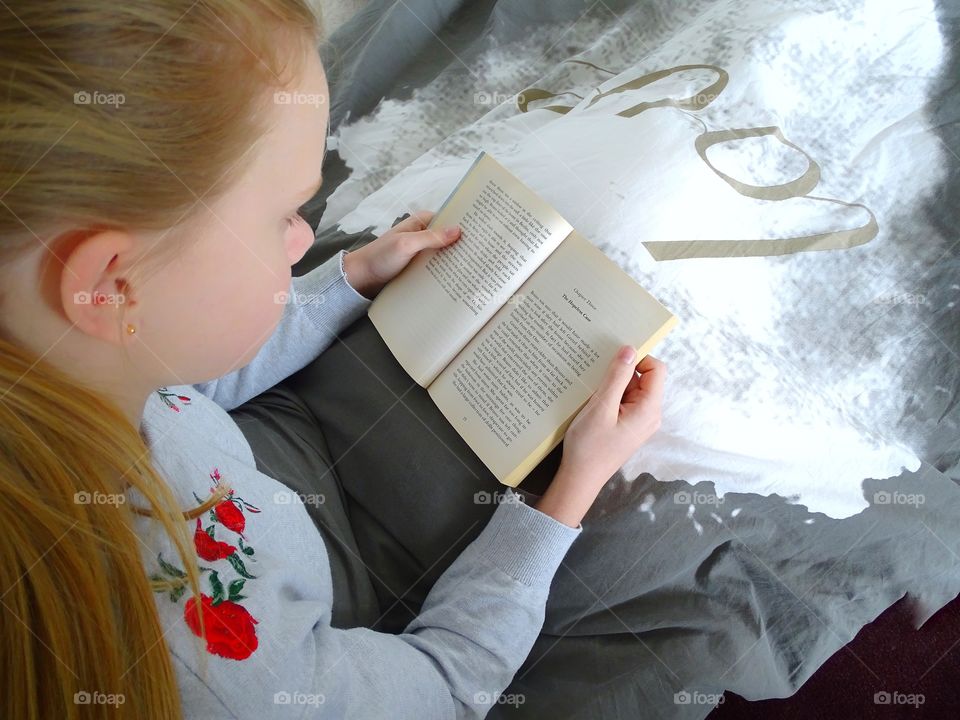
x: 114, y: 115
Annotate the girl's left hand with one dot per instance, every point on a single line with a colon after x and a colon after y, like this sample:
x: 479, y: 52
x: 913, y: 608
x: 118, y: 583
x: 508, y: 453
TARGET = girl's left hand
x: 372, y: 266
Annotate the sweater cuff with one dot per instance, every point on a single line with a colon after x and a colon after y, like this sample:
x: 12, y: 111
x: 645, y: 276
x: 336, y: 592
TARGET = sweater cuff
x: 326, y: 296
x: 524, y: 542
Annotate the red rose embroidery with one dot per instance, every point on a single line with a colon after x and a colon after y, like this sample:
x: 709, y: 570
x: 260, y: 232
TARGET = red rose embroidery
x: 229, y: 627
x: 230, y: 511
x: 208, y: 548
x: 231, y: 516
x: 165, y: 395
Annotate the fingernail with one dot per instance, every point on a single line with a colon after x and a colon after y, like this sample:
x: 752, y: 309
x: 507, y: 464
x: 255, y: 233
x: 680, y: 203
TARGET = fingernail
x: 627, y: 354
x: 451, y: 232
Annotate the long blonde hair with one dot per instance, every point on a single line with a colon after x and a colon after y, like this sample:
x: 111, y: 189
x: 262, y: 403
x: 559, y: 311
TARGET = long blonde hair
x: 113, y: 115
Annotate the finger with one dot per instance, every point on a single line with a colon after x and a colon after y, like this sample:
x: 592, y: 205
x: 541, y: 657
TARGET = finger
x: 633, y: 387
x: 636, y: 383
x: 433, y: 238
x: 643, y: 399
x: 652, y: 378
x: 410, y: 243
x: 642, y: 365
x: 615, y: 380
x: 415, y: 222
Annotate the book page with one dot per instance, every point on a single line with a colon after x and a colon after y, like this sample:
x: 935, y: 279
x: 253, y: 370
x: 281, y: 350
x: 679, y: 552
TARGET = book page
x: 444, y: 296
x: 515, y: 387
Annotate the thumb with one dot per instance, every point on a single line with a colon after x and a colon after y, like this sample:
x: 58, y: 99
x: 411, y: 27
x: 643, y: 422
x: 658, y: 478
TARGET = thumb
x: 618, y: 375
x: 439, y: 237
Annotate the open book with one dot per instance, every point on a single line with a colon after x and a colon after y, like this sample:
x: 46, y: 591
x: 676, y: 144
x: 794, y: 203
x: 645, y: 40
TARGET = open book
x: 512, y: 327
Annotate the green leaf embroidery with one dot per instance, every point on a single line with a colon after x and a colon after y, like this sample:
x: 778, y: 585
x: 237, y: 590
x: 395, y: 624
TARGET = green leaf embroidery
x: 177, y: 592
x: 245, y: 548
x: 238, y: 565
x: 217, y: 587
x: 210, y: 531
x: 170, y: 569
x: 233, y: 591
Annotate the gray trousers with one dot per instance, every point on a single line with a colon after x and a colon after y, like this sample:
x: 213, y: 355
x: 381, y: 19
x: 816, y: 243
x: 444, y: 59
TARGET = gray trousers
x: 648, y: 615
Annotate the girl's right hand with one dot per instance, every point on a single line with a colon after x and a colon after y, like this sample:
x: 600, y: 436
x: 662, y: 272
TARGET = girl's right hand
x: 618, y: 418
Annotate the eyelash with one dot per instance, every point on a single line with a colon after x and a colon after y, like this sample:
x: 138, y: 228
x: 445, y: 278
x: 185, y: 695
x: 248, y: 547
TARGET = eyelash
x: 296, y: 217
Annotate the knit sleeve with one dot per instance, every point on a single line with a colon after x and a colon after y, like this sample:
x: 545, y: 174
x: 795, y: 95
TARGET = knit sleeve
x: 319, y: 306
x: 475, y: 629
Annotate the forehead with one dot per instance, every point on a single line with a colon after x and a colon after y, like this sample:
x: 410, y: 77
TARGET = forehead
x: 304, y: 104
x: 292, y: 149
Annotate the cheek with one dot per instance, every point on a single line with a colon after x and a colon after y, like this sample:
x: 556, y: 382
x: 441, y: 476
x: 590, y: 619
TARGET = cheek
x: 264, y: 296
x: 236, y: 304
x: 211, y: 309
x: 253, y: 309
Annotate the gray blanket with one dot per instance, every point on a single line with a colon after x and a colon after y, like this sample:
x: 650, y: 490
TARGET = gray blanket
x: 673, y: 593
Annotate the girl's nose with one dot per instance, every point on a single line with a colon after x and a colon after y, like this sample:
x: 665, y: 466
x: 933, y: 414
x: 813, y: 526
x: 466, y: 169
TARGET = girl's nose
x: 299, y: 239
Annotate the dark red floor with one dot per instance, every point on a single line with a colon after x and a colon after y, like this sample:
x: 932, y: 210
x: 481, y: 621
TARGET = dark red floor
x: 887, y: 656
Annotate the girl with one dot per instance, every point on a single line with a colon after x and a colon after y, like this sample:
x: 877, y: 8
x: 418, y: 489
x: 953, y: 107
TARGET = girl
x: 153, y: 159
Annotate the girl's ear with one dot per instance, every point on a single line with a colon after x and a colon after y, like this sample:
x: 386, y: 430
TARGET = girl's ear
x: 91, y: 277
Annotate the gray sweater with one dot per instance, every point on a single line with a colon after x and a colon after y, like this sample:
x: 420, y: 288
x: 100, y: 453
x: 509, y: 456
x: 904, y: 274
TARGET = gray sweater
x: 265, y: 577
